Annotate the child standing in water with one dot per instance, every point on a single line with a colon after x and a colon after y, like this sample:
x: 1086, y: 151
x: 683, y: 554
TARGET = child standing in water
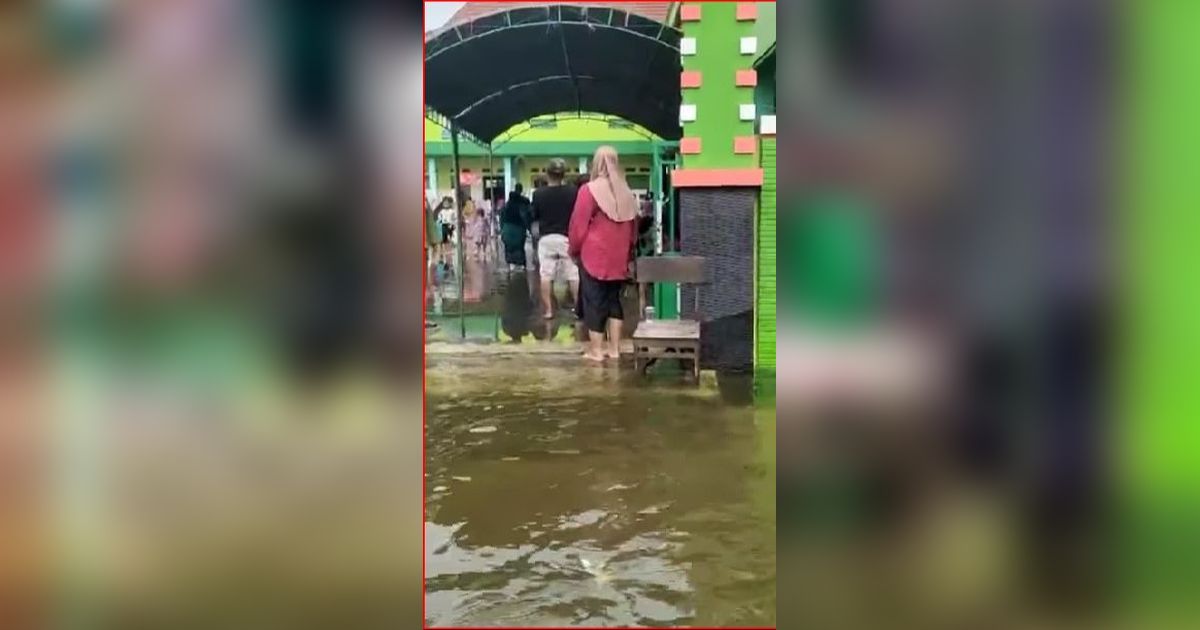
x: 474, y: 237
x: 474, y: 231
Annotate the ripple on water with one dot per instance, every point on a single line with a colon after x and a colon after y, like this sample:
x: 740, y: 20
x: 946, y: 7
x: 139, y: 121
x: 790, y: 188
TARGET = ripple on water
x: 655, y: 487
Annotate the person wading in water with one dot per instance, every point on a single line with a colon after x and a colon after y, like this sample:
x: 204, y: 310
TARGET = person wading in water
x: 513, y: 228
x: 603, y: 232
x: 552, y: 207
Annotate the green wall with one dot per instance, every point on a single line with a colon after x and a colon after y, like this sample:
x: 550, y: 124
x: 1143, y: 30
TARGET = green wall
x: 568, y: 136
x: 764, y: 27
x: 532, y: 148
x: 562, y: 148
x: 524, y: 167
x: 1158, y: 430
x: 718, y: 36
x: 765, y: 283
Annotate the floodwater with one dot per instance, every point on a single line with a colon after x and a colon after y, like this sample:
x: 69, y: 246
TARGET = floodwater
x: 564, y: 494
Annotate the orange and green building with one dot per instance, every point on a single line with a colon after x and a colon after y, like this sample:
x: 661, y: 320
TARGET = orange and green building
x: 523, y: 151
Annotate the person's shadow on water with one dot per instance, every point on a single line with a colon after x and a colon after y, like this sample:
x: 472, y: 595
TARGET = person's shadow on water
x: 545, y: 329
x: 518, y: 308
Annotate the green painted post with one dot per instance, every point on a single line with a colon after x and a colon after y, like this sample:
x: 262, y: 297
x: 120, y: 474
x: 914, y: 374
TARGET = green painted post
x: 716, y: 61
x: 665, y: 294
x: 656, y: 187
x: 719, y: 148
x: 670, y: 290
x: 765, y: 268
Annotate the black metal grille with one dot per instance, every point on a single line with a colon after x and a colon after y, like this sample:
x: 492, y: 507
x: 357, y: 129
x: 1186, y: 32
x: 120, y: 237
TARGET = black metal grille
x: 718, y: 224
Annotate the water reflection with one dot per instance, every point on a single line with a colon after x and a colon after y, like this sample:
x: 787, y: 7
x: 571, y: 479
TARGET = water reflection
x: 517, y: 318
x: 503, y: 305
x: 562, y: 494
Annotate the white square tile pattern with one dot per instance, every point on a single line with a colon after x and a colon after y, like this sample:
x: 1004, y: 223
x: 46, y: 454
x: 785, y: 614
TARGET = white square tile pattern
x: 767, y: 126
x: 687, y: 113
x: 687, y: 46
x: 746, y: 111
x: 749, y: 45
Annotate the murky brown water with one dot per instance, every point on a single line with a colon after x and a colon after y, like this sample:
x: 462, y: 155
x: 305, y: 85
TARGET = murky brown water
x: 562, y: 494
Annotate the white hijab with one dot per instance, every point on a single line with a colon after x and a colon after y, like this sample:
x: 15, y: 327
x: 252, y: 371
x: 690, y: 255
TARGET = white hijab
x: 608, y: 186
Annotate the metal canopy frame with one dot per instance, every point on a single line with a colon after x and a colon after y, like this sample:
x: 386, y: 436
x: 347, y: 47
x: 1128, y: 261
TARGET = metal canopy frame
x: 445, y: 122
x: 549, y: 15
x: 504, y: 68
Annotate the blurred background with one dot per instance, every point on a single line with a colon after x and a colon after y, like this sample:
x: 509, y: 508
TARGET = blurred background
x: 208, y: 293
x: 984, y: 314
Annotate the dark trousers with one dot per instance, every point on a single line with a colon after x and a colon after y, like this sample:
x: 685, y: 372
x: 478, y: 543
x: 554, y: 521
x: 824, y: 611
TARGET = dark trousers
x: 600, y: 300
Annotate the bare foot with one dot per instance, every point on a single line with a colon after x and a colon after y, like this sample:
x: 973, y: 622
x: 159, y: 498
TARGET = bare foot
x: 594, y: 358
x: 613, y: 355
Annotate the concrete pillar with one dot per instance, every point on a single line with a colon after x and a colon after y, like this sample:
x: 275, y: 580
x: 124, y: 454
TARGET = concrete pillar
x: 583, y: 164
x: 719, y: 175
x: 431, y: 169
x: 508, y: 175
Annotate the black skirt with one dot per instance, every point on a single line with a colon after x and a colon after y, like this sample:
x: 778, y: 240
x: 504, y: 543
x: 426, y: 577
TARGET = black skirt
x: 600, y: 300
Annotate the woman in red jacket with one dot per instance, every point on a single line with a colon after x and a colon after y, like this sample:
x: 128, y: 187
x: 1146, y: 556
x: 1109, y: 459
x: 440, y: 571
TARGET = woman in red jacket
x: 603, y: 231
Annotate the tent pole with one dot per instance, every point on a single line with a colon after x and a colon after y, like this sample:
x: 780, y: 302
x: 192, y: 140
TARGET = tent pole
x: 488, y: 196
x: 458, y: 230
x: 491, y: 170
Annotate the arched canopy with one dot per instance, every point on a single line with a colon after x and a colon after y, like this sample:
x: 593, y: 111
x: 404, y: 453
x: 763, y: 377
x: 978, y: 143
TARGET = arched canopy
x: 500, y: 69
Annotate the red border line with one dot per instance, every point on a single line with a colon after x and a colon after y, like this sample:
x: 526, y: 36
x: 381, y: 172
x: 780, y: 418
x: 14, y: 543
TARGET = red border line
x: 424, y: 312
x: 742, y: 174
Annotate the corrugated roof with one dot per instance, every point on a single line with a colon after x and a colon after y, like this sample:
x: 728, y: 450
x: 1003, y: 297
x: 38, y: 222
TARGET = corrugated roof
x: 657, y: 11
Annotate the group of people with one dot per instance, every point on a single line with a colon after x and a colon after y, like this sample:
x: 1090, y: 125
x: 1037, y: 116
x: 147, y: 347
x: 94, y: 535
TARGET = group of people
x: 477, y: 227
x: 584, y: 233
